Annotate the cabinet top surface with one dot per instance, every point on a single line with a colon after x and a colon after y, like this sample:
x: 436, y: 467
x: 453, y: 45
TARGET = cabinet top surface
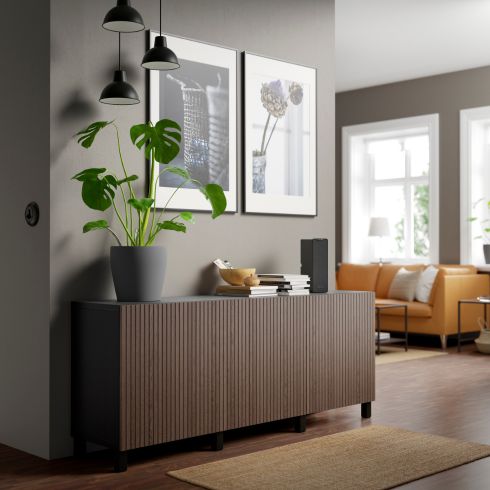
x: 190, y: 299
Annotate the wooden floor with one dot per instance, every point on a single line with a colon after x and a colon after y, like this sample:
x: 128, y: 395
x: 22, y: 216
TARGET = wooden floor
x: 446, y: 395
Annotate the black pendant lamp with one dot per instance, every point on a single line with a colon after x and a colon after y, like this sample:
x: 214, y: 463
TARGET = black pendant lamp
x: 160, y: 57
x: 123, y: 18
x: 119, y: 92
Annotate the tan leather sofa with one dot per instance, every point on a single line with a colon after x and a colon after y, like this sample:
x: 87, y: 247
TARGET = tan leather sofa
x: 440, y: 315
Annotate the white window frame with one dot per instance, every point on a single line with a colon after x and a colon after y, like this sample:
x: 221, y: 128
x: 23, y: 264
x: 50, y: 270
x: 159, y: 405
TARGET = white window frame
x: 467, y: 118
x: 353, y: 143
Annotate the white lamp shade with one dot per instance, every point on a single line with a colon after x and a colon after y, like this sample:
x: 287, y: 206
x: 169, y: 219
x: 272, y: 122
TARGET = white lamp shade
x: 379, y: 227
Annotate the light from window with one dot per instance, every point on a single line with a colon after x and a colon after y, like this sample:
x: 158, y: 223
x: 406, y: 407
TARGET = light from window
x: 389, y: 176
x: 475, y: 184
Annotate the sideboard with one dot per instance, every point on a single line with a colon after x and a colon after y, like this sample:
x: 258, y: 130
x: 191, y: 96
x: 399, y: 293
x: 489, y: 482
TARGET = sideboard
x: 149, y: 373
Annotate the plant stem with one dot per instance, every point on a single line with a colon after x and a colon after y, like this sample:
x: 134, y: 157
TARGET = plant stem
x: 122, y: 221
x: 151, y: 195
x: 154, y: 233
x: 131, y: 192
x: 270, y: 136
x: 155, y: 193
x: 115, y: 236
x: 125, y: 208
x: 265, y: 131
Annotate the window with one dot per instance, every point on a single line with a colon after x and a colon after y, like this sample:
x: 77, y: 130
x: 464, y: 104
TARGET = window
x: 390, y: 169
x: 475, y: 184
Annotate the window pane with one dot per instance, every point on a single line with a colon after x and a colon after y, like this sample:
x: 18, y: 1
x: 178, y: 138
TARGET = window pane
x: 418, y: 147
x: 389, y: 202
x: 388, y: 159
x: 420, y: 211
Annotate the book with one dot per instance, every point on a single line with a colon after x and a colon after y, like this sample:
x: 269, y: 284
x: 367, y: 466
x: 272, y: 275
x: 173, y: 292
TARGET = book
x: 293, y: 287
x: 285, y: 277
x: 246, y: 291
x: 245, y: 295
x: 298, y: 292
x: 280, y: 282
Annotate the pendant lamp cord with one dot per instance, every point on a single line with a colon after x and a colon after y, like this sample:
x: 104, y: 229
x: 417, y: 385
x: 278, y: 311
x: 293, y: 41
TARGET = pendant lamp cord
x: 119, y: 51
x: 160, y: 17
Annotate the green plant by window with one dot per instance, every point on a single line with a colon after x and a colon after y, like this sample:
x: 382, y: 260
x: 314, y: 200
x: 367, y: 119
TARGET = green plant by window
x: 421, y: 220
x: 139, y: 219
x: 484, y: 222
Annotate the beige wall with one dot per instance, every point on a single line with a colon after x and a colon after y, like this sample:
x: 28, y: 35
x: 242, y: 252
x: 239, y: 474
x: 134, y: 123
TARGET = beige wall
x: 83, y: 57
x: 443, y: 94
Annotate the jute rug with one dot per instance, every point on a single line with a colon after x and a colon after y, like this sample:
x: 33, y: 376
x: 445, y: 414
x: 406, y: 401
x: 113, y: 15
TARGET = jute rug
x: 375, y: 457
x: 396, y: 354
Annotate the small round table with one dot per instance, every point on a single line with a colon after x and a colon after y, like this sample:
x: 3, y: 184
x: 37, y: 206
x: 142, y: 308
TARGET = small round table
x: 474, y: 301
x: 380, y: 307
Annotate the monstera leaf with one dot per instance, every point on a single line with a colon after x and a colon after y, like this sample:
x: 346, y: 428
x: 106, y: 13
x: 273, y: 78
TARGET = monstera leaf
x: 95, y: 225
x: 97, y: 189
x: 182, y: 172
x: 172, y: 225
x: 163, y: 139
x: 215, y: 195
x: 187, y: 216
x: 87, y: 135
x: 141, y: 205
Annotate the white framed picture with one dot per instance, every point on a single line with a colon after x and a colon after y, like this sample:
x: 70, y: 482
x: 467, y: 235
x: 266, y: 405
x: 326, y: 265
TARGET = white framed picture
x: 201, y: 96
x: 280, y: 137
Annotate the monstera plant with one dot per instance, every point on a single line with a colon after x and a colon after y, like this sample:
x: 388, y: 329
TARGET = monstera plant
x: 137, y: 265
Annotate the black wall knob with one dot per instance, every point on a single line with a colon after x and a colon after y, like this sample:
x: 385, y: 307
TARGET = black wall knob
x: 31, y: 214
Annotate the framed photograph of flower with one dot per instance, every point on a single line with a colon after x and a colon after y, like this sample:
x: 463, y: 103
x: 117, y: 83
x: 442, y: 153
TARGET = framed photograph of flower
x: 201, y: 96
x: 280, y: 137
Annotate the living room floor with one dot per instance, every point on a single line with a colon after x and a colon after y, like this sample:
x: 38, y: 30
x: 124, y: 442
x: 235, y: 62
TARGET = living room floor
x: 445, y: 395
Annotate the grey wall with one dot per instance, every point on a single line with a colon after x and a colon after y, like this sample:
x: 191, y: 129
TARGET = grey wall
x: 24, y: 251
x: 83, y: 57
x: 444, y: 94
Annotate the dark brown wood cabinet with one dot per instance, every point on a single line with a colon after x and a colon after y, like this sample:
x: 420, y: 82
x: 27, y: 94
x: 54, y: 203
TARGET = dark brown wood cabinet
x: 151, y: 373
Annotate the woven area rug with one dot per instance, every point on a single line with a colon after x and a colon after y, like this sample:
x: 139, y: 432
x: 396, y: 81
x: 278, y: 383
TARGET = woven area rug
x: 375, y: 457
x: 397, y: 354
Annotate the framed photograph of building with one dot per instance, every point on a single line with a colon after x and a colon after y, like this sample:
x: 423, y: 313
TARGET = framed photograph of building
x: 201, y: 96
x: 280, y: 137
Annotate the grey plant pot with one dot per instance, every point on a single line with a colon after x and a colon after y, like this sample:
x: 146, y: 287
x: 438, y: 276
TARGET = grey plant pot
x: 138, y: 273
x: 486, y: 253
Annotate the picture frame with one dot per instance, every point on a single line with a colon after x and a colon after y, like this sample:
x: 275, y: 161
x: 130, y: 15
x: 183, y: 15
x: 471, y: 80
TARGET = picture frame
x: 280, y: 142
x: 202, y: 97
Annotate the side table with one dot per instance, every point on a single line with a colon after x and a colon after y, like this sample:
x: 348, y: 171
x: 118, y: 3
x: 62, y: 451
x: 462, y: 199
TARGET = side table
x: 474, y: 301
x: 380, y: 307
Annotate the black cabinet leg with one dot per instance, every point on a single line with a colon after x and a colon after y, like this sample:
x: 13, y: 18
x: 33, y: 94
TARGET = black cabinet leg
x: 300, y: 423
x: 121, y: 461
x: 79, y: 447
x: 218, y: 441
x: 366, y: 410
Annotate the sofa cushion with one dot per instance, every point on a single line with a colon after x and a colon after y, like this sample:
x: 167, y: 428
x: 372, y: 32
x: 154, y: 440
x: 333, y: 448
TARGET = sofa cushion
x: 414, y: 308
x: 387, y: 273
x: 404, y: 285
x: 426, y: 283
x: 354, y: 277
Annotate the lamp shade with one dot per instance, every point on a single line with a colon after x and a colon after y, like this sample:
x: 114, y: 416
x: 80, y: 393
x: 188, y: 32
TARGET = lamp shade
x: 379, y: 227
x: 119, y: 92
x: 123, y: 18
x: 160, y: 57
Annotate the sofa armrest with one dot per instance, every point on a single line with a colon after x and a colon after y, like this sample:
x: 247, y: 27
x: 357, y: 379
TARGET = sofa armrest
x: 452, y: 288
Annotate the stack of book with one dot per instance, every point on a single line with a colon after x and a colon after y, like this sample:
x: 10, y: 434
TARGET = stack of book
x: 247, y: 291
x: 287, y: 284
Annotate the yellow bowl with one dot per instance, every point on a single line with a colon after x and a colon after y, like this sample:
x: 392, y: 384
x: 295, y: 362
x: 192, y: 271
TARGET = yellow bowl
x: 235, y: 277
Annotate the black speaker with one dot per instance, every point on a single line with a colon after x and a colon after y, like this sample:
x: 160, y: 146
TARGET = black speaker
x: 314, y: 262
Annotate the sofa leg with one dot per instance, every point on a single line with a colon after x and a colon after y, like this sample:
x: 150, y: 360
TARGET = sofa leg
x: 443, y: 342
